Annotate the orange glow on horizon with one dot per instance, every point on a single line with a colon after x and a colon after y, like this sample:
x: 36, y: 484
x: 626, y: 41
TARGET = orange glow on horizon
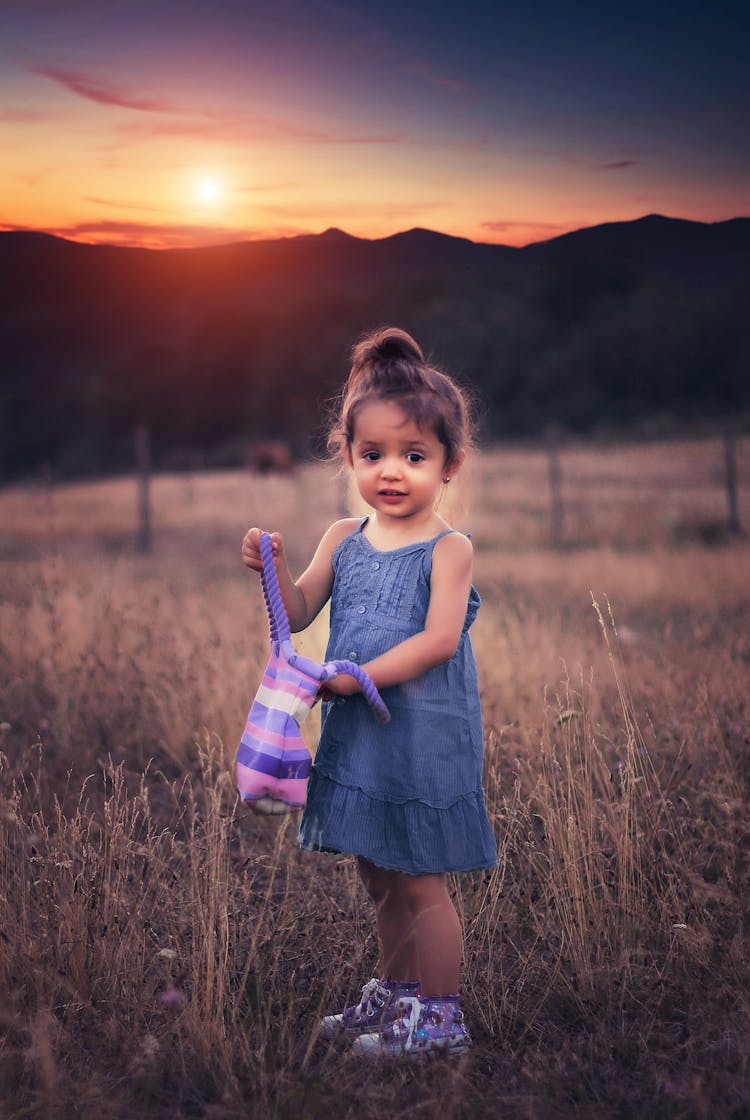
x: 165, y: 193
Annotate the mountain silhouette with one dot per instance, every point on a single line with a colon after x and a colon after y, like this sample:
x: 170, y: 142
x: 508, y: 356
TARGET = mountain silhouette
x: 216, y: 346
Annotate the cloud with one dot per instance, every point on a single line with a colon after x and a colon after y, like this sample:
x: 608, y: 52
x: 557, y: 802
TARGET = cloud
x: 442, y: 81
x: 455, y: 85
x: 245, y: 128
x: 502, y: 226
x: 516, y: 233
x: 594, y: 161
x: 203, y: 124
x: 124, y: 205
x: 258, y: 188
x: 33, y: 177
x: 325, y: 213
x: 105, y: 93
x: 154, y: 236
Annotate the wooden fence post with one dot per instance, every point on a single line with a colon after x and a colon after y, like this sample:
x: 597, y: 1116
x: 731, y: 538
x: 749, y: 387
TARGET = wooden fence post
x: 143, y: 477
x: 554, y: 473
x: 730, y: 477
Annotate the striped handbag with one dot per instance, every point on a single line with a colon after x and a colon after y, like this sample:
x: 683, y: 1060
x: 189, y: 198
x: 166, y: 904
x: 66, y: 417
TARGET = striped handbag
x: 273, y: 762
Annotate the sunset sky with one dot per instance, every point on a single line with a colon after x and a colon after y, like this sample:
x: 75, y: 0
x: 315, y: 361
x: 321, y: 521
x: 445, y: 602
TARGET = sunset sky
x: 189, y: 122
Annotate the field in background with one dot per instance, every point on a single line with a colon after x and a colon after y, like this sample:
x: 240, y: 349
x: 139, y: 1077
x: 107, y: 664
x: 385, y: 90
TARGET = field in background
x: 163, y: 953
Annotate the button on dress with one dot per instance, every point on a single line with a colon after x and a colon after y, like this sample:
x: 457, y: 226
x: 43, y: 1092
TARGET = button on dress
x: 406, y: 795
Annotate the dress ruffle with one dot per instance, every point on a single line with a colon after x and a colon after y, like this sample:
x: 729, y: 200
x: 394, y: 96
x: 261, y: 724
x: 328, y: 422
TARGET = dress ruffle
x: 408, y: 836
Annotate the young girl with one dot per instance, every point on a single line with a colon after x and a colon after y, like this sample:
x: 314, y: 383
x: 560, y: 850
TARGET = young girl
x: 404, y: 797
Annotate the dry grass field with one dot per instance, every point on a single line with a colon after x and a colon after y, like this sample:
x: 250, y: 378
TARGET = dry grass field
x: 164, y: 953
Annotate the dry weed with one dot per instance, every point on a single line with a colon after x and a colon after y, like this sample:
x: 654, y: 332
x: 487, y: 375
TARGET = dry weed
x: 163, y: 953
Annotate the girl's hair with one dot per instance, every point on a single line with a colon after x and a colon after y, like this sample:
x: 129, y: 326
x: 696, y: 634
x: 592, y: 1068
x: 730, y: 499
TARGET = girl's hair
x: 388, y: 365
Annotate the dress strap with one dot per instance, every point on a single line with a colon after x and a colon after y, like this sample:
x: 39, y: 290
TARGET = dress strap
x: 445, y: 533
x: 439, y: 537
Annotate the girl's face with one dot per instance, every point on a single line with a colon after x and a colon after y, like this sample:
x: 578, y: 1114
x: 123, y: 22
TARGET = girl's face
x: 399, y: 467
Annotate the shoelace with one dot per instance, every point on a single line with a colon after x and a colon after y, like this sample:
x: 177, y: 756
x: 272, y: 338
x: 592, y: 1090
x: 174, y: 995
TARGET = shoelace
x: 370, y: 992
x: 414, y: 1007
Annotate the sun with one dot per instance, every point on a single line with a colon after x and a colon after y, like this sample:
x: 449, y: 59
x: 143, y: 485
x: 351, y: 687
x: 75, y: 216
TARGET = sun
x: 209, y: 191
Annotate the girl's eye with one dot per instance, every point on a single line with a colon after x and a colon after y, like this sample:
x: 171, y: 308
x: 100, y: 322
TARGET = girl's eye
x: 371, y: 456
x: 414, y: 457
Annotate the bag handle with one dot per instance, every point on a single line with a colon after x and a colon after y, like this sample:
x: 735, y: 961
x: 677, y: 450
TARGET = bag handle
x: 278, y: 621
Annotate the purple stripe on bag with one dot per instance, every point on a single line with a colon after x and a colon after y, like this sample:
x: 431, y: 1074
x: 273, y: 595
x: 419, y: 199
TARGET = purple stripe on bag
x: 255, y: 746
x: 283, y: 672
x: 274, y: 766
x: 280, y: 723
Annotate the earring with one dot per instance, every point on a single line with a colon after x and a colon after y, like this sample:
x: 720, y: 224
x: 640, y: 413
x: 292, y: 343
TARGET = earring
x: 446, y: 481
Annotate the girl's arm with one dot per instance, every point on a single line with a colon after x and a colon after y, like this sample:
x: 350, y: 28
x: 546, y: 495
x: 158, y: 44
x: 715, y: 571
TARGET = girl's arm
x: 450, y: 584
x: 305, y: 597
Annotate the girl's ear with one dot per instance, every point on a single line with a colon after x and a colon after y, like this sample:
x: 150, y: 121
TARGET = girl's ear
x: 454, y: 466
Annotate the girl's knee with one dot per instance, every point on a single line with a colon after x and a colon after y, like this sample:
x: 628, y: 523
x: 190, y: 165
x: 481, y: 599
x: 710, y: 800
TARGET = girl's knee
x: 417, y: 892
x: 378, y: 882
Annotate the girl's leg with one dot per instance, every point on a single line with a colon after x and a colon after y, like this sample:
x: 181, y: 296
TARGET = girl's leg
x: 398, y: 957
x: 419, y: 931
x: 416, y: 910
x: 425, y: 910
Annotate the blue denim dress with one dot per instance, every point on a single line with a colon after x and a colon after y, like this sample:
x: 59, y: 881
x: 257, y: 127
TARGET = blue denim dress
x: 406, y: 795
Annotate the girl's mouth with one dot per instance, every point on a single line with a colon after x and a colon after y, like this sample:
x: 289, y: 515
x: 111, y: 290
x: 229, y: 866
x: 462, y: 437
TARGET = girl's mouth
x: 391, y: 495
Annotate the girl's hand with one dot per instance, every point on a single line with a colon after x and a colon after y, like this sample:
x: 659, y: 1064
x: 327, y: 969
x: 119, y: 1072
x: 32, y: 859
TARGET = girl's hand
x: 251, y: 549
x: 343, y: 685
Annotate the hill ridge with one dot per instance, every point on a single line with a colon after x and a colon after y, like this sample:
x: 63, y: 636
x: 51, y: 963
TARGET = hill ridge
x: 213, y: 346
x: 336, y: 234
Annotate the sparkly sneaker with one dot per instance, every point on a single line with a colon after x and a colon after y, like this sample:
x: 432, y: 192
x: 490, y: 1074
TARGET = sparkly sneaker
x: 377, y: 1008
x: 421, y: 1026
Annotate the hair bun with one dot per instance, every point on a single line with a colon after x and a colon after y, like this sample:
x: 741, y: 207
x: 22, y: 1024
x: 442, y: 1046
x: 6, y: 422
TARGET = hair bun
x: 387, y: 345
x: 397, y: 344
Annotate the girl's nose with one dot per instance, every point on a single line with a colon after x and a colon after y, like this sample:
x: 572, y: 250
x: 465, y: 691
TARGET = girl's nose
x: 391, y: 468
